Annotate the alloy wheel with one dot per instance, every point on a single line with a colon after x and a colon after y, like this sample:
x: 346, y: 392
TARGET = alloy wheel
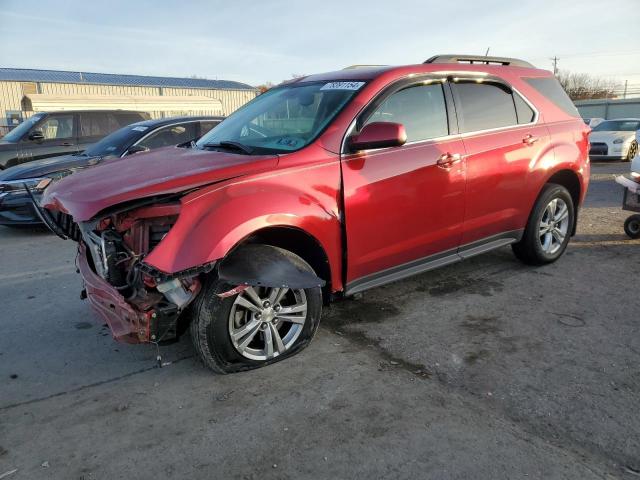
x: 265, y: 322
x: 554, y: 226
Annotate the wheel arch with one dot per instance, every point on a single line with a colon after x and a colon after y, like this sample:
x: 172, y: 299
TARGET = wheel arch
x: 298, y: 241
x: 570, y: 180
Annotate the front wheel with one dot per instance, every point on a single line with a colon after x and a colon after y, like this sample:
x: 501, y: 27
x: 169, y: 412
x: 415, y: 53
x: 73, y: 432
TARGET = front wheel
x: 254, y: 328
x: 632, y: 226
x: 633, y: 151
x: 548, y: 230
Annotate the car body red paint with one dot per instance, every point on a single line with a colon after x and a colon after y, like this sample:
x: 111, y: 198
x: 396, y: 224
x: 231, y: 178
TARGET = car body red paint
x: 368, y: 212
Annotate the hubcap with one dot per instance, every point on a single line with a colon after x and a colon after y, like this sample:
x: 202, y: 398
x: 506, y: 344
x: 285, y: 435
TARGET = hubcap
x: 633, y: 149
x: 554, y: 226
x: 266, y: 322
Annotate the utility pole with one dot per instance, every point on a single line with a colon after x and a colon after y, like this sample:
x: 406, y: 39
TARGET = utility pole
x: 555, y: 65
x: 624, y: 95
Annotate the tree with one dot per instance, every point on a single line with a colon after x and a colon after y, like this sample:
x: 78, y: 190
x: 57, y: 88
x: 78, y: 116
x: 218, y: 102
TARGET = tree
x: 265, y: 86
x: 582, y: 86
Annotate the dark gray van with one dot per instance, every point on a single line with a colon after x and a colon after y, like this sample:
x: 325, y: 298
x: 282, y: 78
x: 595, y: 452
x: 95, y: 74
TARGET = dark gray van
x: 48, y: 134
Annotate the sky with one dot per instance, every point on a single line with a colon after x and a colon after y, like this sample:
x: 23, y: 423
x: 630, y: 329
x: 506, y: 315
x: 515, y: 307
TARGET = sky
x: 271, y: 40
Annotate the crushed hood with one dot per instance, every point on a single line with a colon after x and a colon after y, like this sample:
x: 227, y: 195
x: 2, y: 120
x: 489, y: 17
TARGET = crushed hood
x: 166, y: 170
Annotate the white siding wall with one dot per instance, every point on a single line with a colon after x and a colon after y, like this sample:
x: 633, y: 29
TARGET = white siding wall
x: 11, y: 94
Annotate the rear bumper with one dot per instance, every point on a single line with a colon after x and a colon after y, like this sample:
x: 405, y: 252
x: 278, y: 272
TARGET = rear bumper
x: 127, y: 324
x: 17, y: 209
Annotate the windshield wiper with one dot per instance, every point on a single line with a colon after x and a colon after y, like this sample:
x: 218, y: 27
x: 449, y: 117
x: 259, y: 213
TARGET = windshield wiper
x: 228, y: 144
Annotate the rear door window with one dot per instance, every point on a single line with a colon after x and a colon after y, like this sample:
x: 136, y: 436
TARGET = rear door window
x: 483, y: 106
x: 128, y: 118
x: 524, y: 112
x: 97, y: 125
x: 420, y: 108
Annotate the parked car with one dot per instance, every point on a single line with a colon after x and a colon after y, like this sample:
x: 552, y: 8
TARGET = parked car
x: 593, y: 122
x: 323, y: 187
x: 48, y: 134
x: 16, y: 208
x: 615, y: 139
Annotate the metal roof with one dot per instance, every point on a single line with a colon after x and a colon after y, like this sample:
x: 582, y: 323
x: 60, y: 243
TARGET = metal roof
x: 58, y: 76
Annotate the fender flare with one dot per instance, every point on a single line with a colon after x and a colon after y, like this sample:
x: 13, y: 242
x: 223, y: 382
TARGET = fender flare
x: 266, y: 266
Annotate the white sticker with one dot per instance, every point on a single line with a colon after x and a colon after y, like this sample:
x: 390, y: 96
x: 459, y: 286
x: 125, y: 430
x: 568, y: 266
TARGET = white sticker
x: 342, y: 86
x: 140, y: 129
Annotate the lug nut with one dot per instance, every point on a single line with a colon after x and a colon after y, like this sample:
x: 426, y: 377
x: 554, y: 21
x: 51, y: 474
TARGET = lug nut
x: 266, y: 304
x: 277, y: 308
x: 258, y: 316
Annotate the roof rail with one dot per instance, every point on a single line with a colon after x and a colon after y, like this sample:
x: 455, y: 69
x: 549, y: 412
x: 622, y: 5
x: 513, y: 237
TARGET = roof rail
x: 353, y: 67
x: 514, y: 62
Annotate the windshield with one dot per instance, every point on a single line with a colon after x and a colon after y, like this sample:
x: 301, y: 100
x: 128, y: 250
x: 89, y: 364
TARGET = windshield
x: 18, y: 132
x: 618, y: 126
x: 116, y: 143
x: 283, y: 119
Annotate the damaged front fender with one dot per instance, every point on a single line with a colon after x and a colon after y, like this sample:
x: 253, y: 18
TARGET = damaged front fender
x: 266, y: 266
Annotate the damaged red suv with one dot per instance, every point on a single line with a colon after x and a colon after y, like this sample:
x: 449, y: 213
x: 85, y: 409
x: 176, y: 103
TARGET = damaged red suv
x: 319, y: 188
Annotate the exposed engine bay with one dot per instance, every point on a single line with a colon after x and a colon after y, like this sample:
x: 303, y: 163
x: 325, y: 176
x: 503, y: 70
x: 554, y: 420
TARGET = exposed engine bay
x: 116, y: 246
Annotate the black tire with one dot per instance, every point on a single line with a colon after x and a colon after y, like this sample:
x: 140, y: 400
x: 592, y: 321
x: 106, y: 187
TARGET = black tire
x: 210, y: 327
x: 632, y: 226
x: 633, y: 151
x: 529, y: 249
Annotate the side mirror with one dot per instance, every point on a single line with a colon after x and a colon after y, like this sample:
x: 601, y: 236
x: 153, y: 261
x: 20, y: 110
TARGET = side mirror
x: 136, y: 149
x: 379, y: 135
x: 36, y: 135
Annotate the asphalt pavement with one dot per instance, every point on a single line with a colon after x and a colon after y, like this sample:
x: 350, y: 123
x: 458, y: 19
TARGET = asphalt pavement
x: 488, y: 369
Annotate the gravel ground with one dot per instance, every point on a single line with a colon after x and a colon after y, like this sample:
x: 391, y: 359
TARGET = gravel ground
x: 484, y: 369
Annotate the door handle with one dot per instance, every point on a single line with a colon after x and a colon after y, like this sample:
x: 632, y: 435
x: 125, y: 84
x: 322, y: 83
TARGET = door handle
x: 447, y: 160
x: 530, y: 139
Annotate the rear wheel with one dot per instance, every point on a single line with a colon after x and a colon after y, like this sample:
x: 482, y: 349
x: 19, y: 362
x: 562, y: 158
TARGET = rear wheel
x: 254, y: 328
x: 632, y: 226
x: 549, y: 227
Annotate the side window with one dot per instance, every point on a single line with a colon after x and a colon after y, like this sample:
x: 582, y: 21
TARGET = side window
x: 57, y: 127
x: 550, y: 87
x: 124, y: 119
x: 421, y: 109
x: 171, y: 135
x: 524, y: 112
x: 207, y: 125
x: 481, y: 106
x: 96, y: 124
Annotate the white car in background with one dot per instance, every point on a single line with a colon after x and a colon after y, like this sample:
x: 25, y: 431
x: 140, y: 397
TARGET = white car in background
x: 615, y: 139
x: 593, y: 122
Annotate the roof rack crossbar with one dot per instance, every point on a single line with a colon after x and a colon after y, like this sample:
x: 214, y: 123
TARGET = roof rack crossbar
x: 514, y: 62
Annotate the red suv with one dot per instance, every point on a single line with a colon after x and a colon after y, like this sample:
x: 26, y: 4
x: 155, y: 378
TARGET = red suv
x: 319, y: 188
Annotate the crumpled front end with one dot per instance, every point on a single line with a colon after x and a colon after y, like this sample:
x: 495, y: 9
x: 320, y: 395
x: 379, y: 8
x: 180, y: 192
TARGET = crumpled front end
x: 139, y: 303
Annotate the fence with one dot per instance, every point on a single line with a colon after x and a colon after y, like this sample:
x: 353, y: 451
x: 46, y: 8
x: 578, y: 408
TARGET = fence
x: 608, y: 109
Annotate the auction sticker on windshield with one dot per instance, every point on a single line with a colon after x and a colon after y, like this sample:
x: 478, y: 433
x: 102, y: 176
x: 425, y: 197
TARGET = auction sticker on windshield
x: 342, y: 86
